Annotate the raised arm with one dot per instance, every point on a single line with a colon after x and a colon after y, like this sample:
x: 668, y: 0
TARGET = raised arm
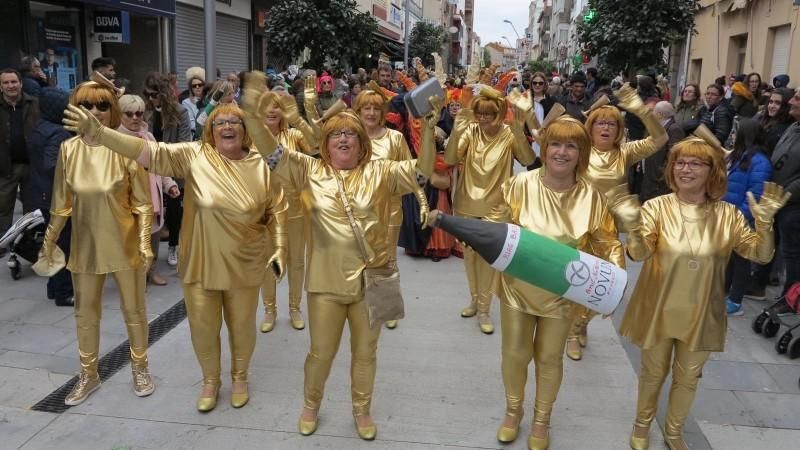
x: 292, y: 112
x: 275, y: 214
x: 759, y: 245
x: 457, y: 143
x: 522, y: 149
x: 254, y: 118
x: 638, y: 150
x: 604, y: 240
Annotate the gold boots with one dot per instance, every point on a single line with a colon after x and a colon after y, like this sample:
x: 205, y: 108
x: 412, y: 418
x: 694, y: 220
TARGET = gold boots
x: 83, y: 388
x: 142, y: 381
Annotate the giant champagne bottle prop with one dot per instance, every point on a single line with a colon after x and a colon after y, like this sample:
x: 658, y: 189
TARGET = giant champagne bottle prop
x: 555, y: 267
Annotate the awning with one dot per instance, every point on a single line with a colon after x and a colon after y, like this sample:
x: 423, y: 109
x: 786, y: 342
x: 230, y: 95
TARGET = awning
x: 164, y: 8
x: 393, y: 48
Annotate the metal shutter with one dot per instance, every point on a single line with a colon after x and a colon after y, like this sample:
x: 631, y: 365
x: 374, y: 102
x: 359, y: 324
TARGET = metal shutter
x: 189, y: 44
x: 232, y: 43
x: 780, y: 51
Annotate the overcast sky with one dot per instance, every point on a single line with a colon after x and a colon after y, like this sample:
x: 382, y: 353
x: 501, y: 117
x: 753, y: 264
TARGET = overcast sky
x: 489, y: 16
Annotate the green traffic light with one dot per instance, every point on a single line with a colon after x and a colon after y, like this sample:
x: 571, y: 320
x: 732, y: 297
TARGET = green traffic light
x: 590, y: 15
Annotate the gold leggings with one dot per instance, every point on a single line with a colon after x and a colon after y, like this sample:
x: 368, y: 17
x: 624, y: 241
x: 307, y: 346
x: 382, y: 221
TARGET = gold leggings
x: 581, y: 316
x: 88, y: 311
x: 327, y: 314
x: 205, y: 310
x: 296, y: 267
x: 541, y: 338
x: 481, y: 278
x: 686, y: 368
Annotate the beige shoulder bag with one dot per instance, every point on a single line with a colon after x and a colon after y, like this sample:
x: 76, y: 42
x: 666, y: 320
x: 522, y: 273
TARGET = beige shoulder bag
x: 382, y: 284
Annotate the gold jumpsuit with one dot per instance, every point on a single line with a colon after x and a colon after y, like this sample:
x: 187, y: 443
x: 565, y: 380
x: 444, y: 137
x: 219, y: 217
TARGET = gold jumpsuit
x: 392, y: 146
x: 291, y: 139
x: 535, y: 322
x: 486, y: 163
x: 335, y: 263
x: 108, y: 198
x: 231, y: 208
x: 608, y: 169
x: 678, y: 302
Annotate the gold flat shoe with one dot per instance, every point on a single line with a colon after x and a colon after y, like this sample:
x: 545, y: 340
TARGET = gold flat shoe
x: 485, y: 323
x: 675, y: 443
x: 296, y: 319
x: 391, y: 324
x: 535, y: 443
x: 639, y: 443
x: 239, y: 399
x: 508, y: 435
x: 269, y: 322
x: 469, y: 311
x: 206, y: 404
x: 573, y: 350
x: 307, y: 428
x: 367, y: 433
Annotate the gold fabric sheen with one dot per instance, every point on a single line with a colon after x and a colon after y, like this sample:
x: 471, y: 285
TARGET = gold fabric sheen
x: 487, y: 163
x: 205, y: 309
x: 230, y: 210
x: 327, y: 314
x: 108, y: 198
x: 392, y: 146
x: 687, y: 366
x: 577, y: 217
x: 608, y: 169
x: 334, y: 259
x: 88, y: 311
x: 670, y: 300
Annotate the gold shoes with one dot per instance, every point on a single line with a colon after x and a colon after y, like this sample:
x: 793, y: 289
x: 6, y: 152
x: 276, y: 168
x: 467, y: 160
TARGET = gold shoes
x: 83, y: 388
x: 269, y: 322
x: 307, y: 428
x: 142, y: 381
x: 507, y: 435
x: 296, y: 317
x: 207, y: 403
x: 573, y: 350
x: 239, y: 399
x: 535, y: 443
x: 391, y: 324
x: 485, y: 322
x: 366, y: 433
x: 675, y: 443
x: 470, y: 310
x: 639, y: 443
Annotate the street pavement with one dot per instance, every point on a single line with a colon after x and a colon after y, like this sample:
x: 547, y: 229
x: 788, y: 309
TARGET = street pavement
x: 438, y: 383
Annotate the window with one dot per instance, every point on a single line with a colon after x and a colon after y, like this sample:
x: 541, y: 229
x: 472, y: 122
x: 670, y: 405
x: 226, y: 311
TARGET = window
x: 56, y: 40
x: 395, y: 17
x: 737, y: 50
x: 695, y: 70
x: 778, y: 46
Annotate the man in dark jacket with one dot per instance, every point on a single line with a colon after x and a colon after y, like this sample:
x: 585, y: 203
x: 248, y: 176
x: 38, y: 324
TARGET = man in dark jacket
x: 44, y: 146
x: 577, y: 101
x: 19, y: 113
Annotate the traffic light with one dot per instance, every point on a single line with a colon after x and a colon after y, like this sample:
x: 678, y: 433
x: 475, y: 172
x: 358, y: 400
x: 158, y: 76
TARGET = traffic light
x: 590, y: 16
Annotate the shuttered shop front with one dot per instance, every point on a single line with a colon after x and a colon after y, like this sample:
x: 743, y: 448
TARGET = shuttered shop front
x: 231, y: 42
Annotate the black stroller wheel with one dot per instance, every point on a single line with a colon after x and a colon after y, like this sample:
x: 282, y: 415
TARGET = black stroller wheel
x: 758, y: 322
x: 15, y: 272
x: 783, y: 343
x: 771, y: 327
x: 794, y: 349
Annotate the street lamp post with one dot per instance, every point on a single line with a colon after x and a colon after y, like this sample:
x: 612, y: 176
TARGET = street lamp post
x: 515, y: 47
x: 509, y: 42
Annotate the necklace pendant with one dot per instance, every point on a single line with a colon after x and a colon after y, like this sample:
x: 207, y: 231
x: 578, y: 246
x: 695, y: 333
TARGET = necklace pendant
x: 693, y: 265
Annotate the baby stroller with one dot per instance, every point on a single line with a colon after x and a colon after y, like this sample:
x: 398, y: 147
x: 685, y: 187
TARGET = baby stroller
x: 24, y: 239
x: 768, y: 323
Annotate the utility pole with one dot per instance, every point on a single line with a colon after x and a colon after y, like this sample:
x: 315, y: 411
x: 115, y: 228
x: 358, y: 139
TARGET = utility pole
x: 406, y: 33
x: 210, y: 16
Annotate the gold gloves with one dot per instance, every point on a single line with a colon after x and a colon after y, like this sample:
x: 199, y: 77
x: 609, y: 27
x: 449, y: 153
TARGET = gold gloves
x: 277, y: 263
x: 427, y: 154
x: 81, y: 121
x: 629, y: 100
x: 525, y: 105
x: 625, y: 208
x: 51, y: 236
x: 310, y: 98
x: 144, y: 223
x: 256, y: 85
x: 772, y: 200
x: 290, y: 109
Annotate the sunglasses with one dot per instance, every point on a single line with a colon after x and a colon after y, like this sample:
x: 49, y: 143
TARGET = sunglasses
x: 101, y: 106
x: 537, y: 83
x: 132, y: 114
x: 197, y: 85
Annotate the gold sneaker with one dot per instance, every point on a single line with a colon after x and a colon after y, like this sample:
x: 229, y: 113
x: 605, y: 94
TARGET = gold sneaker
x: 296, y: 318
x: 83, y: 388
x: 142, y: 381
x: 485, y: 323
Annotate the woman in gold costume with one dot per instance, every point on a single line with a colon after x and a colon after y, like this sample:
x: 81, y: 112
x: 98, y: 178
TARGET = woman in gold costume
x: 280, y: 111
x: 608, y: 169
x: 335, y: 263
x: 557, y: 202
x: 108, y: 198
x: 391, y: 145
x: 676, y: 314
x: 486, y: 149
x: 231, y: 209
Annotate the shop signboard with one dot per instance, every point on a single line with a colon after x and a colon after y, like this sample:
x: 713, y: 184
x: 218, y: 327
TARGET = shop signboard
x: 112, y: 26
x: 146, y: 7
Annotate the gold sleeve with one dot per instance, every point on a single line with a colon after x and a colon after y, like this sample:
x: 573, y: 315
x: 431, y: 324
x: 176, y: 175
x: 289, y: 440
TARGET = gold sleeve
x: 141, y: 205
x: 172, y: 160
x: 402, y: 176
x: 292, y: 169
x: 635, y: 151
x: 276, y: 212
x: 604, y: 241
x: 523, y: 152
x: 642, y: 239
x: 310, y: 142
x: 61, y: 199
x: 458, y: 143
x: 757, y: 246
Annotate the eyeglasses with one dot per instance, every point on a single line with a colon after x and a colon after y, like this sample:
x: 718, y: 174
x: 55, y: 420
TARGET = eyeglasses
x: 694, y: 165
x: 197, y: 85
x: 336, y: 134
x: 132, y: 114
x: 606, y: 123
x: 537, y: 83
x: 151, y: 94
x: 226, y: 122
x: 101, y: 106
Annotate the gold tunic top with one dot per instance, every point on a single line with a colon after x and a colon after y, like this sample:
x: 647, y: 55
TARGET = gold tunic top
x: 334, y: 260
x: 392, y: 146
x: 230, y: 208
x: 608, y: 169
x: 670, y: 299
x: 101, y: 191
x: 487, y: 164
x: 293, y: 140
x: 578, y: 217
